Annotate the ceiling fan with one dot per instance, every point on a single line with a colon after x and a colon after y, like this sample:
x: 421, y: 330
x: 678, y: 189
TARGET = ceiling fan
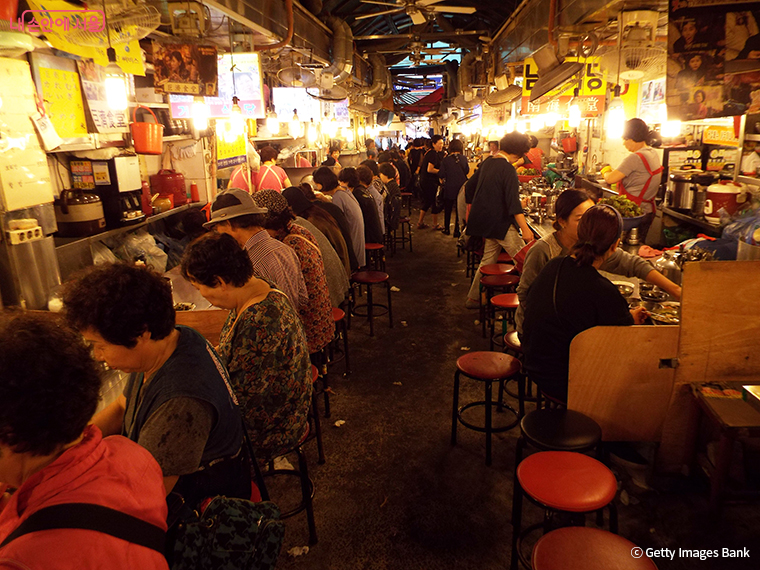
x: 417, y: 10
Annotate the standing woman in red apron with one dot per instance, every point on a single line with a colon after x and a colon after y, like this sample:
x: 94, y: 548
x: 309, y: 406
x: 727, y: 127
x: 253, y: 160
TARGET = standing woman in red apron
x: 638, y: 176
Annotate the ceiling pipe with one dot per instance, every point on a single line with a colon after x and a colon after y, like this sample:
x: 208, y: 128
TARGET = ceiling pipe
x: 464, y: 75
x: 379, y: 76
x: 552, y: 18
x: 288, y: 36
x: 342, y: 49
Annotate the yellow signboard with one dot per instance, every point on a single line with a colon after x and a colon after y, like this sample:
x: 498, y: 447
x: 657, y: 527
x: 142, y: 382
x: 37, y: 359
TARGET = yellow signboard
x: 724, y: 136
x: 593, y: 83
x: 56, y: 18
x: 229, y: 152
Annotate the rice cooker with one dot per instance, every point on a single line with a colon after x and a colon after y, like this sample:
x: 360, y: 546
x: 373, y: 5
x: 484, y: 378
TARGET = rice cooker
x: 169, y: 183
x: 724, y: 195
x: 79, y: 214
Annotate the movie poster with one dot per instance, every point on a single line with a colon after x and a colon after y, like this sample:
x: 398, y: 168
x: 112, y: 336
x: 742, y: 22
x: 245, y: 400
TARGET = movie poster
x: 713, y: 59
x: 185, y: 68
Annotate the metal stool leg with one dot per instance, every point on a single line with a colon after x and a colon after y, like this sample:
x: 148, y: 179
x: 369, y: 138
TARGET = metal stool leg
x: 390, y: 313
x: 488, y: 422
x: 455, y: 408
x: 317, y: 427
x: 306, y: 490
x: 369, y: 310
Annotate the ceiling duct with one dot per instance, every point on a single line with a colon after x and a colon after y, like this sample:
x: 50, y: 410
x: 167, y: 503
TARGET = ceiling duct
x: 466, y: 98
x: 553, y: 73
x: 380, y: 77
x: 342, y: 49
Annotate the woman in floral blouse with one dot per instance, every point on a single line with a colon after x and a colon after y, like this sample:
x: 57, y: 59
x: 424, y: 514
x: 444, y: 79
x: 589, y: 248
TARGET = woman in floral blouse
x: 262, y: 343
x: 316, y: 316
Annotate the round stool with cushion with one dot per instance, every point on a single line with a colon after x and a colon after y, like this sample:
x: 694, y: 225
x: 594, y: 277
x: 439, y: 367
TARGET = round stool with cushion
x: 507, y: 302
x: 489, y: 285
x: 560, y: 481
x: 581, y: 548
x: 486, y: 367
x: 341, y: 332
x: 504, y: 257
x: 370, y: 278
x: 497, y: 269
x: 375, y: 256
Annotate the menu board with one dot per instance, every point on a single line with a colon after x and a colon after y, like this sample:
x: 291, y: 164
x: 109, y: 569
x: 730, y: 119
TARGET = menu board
x: 63, y: 101
x: 228, y: 153
x: 24, y: 172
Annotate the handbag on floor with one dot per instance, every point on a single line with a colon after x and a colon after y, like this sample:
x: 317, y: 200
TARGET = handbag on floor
x: 229, y: 534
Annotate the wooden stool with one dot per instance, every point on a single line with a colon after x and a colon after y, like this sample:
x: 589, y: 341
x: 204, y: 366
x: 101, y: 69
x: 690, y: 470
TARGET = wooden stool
x: 370, y: 278
x: 560, y: 481
x: 507, y: 302
x: 406, y: 199
x: 375, y: 256
x: 307, y: 486
x: 486, y: 367
x: 581, y: 548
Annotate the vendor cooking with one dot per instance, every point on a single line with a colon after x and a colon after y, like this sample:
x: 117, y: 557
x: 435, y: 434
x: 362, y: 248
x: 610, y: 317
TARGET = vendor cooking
x: 638, y: 176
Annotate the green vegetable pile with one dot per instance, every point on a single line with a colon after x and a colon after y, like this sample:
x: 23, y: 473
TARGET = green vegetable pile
x: 623, y: 205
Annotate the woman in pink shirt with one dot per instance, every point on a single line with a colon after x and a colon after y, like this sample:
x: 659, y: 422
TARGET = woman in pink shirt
x: 269, y: 176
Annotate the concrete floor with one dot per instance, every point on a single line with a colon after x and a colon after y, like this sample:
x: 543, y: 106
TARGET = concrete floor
x: 394, y: 494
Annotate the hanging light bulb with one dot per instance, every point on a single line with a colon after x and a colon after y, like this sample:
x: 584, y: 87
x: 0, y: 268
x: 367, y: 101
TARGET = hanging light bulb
x: 522, y: 126
x: 116, y: 87
x: 551, y: 119
x: 511, y: 124
x: 312, y: 132
x: 200, y: 114
x: 349, y: 135
x: 273, y: 123
x: 574, y: 120
x: 236, y: 122
x: 615, y: 116
x: 663, y: 113
x: 295, y: 128
x: 536, y: 123
x: 671, y: 129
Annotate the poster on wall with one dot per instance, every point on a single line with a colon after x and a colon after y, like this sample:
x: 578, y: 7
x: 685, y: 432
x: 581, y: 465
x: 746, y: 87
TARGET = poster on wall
x: 246, y: 86
x: 105, y: 119
x: 185, y: 68
x: 713, y: 59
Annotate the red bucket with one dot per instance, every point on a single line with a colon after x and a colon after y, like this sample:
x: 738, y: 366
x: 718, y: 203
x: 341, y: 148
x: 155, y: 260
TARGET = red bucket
x: 148, y: 138
x: 569, y: 145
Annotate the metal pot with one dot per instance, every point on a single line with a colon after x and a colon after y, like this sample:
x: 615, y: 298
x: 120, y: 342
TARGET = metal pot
x: 79, y: 214
x: 699, y: 192
x: 680, y: 190
x: 668, y: 265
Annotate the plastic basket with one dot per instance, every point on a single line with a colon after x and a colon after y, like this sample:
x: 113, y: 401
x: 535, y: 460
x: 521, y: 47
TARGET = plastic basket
x: 148, y: 138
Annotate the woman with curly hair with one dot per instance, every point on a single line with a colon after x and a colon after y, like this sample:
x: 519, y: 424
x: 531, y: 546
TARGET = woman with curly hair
x: 262, y: 343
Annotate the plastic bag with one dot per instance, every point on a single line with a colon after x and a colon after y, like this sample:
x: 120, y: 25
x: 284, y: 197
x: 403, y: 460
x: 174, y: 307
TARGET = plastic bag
x: 141, y: 246
x: 746, y: 229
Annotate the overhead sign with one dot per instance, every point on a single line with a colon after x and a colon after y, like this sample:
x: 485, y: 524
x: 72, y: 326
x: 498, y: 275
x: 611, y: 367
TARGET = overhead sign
x: 724, y: 136
x: 592, y: 92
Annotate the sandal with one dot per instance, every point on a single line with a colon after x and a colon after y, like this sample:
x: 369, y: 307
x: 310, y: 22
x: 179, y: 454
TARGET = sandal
x: 422, y: 226
x: 439, y: 228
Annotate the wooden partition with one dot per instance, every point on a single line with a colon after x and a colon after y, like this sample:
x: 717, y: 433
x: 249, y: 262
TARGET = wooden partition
x: 209, y: 322
x: 616, y: 377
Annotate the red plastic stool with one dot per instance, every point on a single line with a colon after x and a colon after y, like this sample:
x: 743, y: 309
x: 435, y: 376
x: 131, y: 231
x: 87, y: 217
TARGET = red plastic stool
x: 370, y: 278
x: 375, y: 256
x: 560, y: 481
x: 487, y: 367
x: 504, y: 257
x: 581, y: 548
x: 507, y: 302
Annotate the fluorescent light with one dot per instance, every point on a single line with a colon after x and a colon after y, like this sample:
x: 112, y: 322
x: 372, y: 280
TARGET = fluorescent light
x: 200, y: 114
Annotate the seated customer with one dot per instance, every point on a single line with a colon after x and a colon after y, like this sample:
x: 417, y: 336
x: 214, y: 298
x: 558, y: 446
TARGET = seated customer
x: 234, y: 212
x: 350, y: 180
x: 570, y: 296
x: 49, y: 389
x: 177, y: 403
x: 316, y: 315
x: 262, y: 344
x: 341, y: 196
